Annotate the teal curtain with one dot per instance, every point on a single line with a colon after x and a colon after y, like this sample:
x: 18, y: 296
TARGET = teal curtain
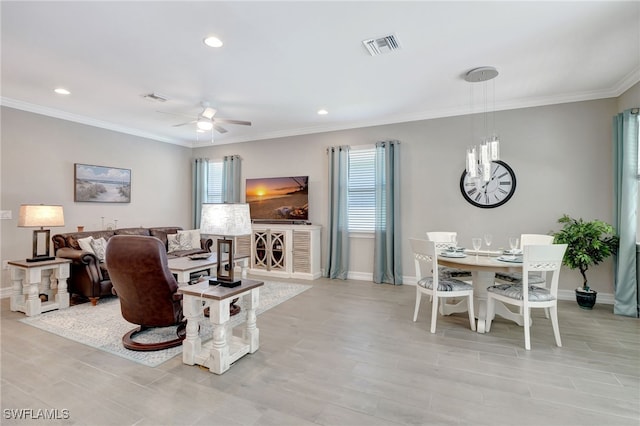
x: 387, y: 262
x: 337, y: 261
x: 231, y: 174
x: 200, y: 177
x: 625, y: 145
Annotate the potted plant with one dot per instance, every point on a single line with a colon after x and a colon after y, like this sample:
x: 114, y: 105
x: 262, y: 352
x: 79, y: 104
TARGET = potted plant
x: 589, y: 243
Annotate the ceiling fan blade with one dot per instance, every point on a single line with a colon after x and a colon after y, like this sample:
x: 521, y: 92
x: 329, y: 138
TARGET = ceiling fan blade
x: 220, y: 129
x: 208, y: 113
x: 184, y: 124
x: 229, y: 121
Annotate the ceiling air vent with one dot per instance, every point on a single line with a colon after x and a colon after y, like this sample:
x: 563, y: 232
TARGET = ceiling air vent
x: 377, y: 46
x: 155, y: 97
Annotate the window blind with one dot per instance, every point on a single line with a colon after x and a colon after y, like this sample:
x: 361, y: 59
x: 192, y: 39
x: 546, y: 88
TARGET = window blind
x: 361, y: 189
x: 214, y: 182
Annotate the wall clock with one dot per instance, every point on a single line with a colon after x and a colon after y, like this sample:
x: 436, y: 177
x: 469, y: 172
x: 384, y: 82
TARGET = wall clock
x: 491, y: 194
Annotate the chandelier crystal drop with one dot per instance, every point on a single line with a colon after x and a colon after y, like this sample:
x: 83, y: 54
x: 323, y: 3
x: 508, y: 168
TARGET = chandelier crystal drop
x: 478, y: 159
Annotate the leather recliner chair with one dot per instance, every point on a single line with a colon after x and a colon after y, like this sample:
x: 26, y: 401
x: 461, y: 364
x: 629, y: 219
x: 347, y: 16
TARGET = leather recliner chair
x: 146, y: 288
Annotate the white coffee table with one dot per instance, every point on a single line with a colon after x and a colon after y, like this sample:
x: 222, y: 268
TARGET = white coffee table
x: 183, y: 267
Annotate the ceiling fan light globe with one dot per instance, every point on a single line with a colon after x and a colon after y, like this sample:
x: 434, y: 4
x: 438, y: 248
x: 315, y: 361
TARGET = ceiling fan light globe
x: 205, y: 125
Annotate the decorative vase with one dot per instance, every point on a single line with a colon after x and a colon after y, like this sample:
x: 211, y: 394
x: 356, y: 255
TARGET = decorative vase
x: 586, y: 299
x: 80, y: 228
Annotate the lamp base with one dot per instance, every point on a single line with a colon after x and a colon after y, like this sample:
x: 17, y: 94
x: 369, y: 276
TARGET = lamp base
x: 228, y: 284
x: 40, y: 258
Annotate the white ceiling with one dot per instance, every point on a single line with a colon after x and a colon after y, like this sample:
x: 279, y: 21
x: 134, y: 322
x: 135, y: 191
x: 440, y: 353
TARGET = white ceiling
x: 282, y: 61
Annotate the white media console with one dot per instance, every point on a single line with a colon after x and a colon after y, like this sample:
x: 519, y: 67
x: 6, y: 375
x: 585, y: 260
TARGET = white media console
x: 285, y: 250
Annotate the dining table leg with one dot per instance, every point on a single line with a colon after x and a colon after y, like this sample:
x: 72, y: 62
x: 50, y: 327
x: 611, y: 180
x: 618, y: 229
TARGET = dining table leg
x: 482, y: 280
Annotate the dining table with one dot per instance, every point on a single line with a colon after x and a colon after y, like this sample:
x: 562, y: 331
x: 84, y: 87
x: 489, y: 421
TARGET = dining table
x: 483, y: 267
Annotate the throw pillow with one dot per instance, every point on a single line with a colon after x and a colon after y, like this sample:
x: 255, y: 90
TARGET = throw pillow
x: 85, y: 244
x: 99, y: 246
x: 194, y: 235
x: 178, y: 242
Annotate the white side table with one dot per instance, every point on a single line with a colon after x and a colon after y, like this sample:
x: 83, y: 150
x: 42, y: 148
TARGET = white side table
x: 225, y: 348
x: 31, y: 279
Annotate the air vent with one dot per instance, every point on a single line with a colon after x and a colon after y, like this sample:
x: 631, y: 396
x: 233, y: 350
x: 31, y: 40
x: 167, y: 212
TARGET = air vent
x: 386, y: 44
x: 155, y: 97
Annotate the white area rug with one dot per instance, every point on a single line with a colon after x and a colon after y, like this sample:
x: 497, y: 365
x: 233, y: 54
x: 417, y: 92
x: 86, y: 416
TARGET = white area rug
x: 102, y: 326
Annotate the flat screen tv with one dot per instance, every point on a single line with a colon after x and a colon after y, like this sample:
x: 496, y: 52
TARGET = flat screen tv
x: 278, y: 198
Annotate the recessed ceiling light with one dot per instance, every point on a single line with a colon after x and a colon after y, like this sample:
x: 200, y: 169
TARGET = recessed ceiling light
x: 213, y: 41
x: 323, y: 112
x: 62, y: 91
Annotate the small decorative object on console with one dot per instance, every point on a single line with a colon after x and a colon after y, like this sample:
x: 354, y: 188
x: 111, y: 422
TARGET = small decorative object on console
x: 200, y: 256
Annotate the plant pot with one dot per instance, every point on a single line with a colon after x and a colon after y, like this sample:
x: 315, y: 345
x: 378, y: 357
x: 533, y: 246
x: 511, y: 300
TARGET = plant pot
x: 586, y: 299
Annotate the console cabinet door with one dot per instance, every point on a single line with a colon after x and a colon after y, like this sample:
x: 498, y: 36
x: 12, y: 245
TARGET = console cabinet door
x: 269, y: 250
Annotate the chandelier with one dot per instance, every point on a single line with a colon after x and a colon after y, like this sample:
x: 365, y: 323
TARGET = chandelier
x: 479, y: 158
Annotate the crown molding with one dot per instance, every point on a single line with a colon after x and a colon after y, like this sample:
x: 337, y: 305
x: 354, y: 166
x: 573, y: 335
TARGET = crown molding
x: 63, y: 115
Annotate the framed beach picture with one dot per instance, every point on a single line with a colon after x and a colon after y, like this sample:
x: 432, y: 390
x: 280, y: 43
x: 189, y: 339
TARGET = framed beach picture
x: 100, y: 184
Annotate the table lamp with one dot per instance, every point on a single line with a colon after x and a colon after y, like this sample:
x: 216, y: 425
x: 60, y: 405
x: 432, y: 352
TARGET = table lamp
x: 40, y: 215
x: 227, y: 220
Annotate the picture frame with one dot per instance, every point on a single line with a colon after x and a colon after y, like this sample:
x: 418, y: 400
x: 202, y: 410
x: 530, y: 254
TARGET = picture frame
x: 101, y: 184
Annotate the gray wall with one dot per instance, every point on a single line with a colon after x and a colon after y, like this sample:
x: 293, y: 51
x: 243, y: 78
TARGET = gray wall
x: 37, y: 157
x: 561, y: 155
x: 630, y: 98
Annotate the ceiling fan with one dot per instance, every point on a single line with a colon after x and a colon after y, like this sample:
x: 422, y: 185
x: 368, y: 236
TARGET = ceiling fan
x: 206, y: 120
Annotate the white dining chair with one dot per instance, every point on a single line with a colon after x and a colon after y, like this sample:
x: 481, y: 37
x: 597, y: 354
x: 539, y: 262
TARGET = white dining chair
x: 443, y: 240
x: 426, y: 261
x: 538, y: 278
x: 535, y: 258
x: 535, y: 278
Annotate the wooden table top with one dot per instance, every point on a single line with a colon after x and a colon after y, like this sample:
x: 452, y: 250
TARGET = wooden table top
x: 479, y: 263
x: 25, y: 264
x: 205, y: 290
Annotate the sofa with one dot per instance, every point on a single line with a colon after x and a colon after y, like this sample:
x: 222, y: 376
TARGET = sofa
x: 89, y: 275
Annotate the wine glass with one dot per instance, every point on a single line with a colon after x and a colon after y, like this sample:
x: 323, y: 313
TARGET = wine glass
x: 477, y: 243
x: 488, y: 238
x: 513, y: 244
x: 454, y: 242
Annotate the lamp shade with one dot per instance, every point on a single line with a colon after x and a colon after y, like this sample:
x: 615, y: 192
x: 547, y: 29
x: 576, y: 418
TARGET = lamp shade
x: 225, y: 219
x: 40, y: 215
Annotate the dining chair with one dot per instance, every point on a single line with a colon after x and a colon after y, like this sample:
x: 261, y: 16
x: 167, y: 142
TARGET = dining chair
x: 535, y: 258
x: 434, y: 285
x: 536, y: 278
x: 443, y: 240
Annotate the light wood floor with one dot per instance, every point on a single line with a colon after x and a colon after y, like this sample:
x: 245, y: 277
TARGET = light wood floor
x: 346, y: 353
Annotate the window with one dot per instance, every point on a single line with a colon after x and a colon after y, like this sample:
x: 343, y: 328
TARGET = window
x: 214, y: 182
x: 362, y: 197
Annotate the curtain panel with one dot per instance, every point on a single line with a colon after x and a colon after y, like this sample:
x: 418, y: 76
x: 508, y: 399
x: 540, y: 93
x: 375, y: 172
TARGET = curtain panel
x: 200, y: 177
x: 387, y: 262
x: 625, y: 157
x: 337, y: 261
x: 231, y: 183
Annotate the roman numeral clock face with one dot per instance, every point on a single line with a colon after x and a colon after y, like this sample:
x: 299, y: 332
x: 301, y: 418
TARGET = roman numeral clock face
x: 494, y: 193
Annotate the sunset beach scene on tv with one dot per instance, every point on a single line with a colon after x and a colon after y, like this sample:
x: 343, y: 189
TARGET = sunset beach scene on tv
x: 278, y: 198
